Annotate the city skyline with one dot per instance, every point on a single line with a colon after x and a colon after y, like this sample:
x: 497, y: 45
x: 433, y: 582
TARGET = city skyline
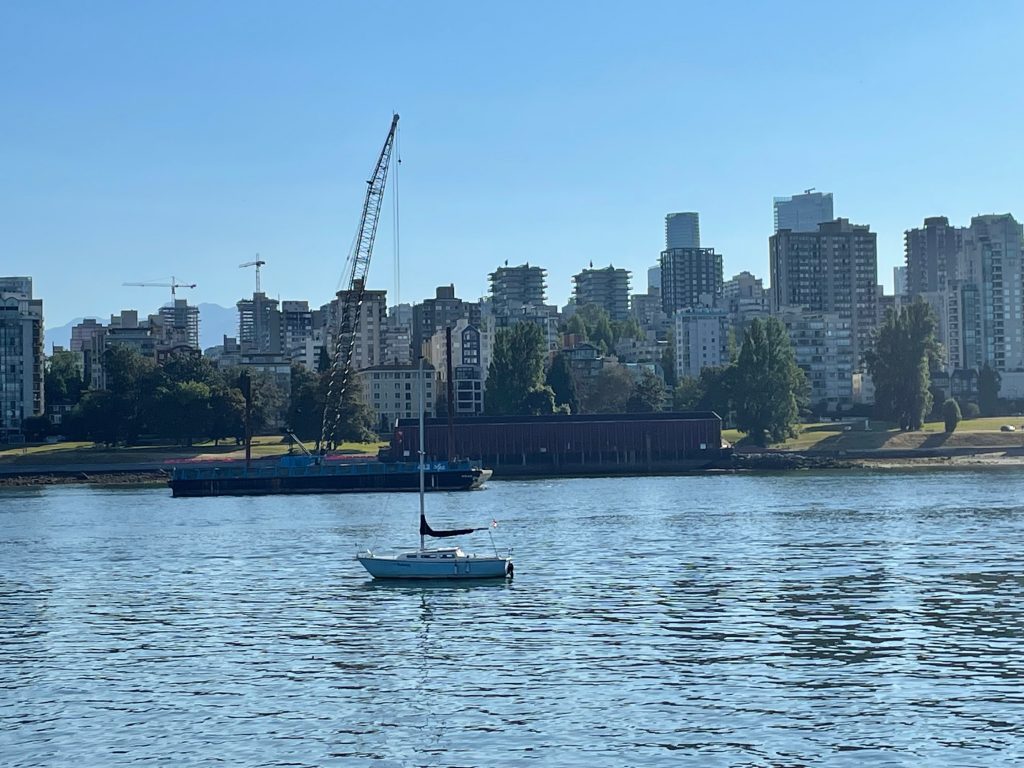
x: 259, y: 141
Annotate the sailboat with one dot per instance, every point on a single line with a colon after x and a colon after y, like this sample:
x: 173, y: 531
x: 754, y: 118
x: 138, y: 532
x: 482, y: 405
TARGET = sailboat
x: 436, y: 562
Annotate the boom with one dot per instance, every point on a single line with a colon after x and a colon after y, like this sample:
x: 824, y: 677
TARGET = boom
x: 351, y: 301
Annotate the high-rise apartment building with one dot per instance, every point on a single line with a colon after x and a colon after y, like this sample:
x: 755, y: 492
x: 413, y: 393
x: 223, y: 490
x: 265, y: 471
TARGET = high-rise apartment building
x: 179, y: 324
x: 393, y: 391
x: 682, y: 230
x: 296, y: 328
x: 899, y: 281
x: 985, y: 306
x: 607, y: 287
x: 702, y: 340
x: 259, y: 325
x: 690, y: 277
x: 834, y: 269
x: 21, y: 355
x: 802, y: 213
x: 371, y: 327
x: 745, y: 298
x: 822, y: 345
x: 513, y: 288
x: 932, y: 256
x: 438, y: 313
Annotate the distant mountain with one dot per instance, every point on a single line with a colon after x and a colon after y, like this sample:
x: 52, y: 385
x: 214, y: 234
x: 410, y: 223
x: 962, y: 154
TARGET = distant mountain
x: 215, y: 322
x: 61, y: 337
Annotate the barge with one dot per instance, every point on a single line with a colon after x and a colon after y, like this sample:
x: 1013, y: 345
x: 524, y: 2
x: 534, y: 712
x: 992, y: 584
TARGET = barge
x: 300, y: 474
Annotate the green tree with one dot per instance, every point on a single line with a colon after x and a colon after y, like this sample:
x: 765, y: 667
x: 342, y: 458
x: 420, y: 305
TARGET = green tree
x: 648, y: 394
x: 904, y: 351
x: 687, y: 394
x: 716, y: 390
x: 63, y: 383
x: 609, y: 391
x: 989, y: 383
x: 559, y: 377
x: 578, y: 326
x: 668, y: 360
x: 35, y: 428
x: 627, y: 329
x: 132, y: 381
x: 768, y: 388
x: 306, y: 406
x: 94, y: 418
x: 184, y: 408
x: 540, y: 401
x: 227, y: 414
x: 517, y: 368
x: 950, y: 415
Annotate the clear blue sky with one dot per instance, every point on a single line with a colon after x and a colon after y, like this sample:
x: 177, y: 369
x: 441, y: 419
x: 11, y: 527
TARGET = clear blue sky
x: 141, y: 140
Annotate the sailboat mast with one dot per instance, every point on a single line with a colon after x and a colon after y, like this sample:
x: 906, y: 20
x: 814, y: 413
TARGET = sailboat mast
x: 422, y: 452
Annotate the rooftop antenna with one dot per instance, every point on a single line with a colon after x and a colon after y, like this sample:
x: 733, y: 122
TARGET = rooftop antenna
x: 808, y: 191
x: 258, y: 263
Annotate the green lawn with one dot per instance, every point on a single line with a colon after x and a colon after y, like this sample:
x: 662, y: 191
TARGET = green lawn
x: 835, y: 436
x: 83, y: 452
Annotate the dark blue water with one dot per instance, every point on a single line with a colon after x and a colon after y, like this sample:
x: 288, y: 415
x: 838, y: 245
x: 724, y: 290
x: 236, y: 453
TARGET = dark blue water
x: 803, y: 619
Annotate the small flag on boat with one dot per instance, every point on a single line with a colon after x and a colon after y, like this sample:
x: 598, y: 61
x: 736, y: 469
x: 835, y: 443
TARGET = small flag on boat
x: 494, y: 523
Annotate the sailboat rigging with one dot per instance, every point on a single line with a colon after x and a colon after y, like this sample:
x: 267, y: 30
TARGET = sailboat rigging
x: 440, y: 562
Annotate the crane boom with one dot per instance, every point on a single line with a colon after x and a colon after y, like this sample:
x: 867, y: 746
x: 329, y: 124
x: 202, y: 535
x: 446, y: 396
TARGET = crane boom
x: 258, y: 263
x: 173, y: 285
x: 351, y: 301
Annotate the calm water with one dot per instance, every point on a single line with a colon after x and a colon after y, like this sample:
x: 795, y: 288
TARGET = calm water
x: 812, y: 619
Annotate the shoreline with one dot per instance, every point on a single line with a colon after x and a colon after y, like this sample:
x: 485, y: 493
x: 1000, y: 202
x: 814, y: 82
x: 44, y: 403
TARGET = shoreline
x: 741, y: 463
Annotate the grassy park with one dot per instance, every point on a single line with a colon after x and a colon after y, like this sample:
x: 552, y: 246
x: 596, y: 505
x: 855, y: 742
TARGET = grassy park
x: 70, y: 453
x: 837, y: 436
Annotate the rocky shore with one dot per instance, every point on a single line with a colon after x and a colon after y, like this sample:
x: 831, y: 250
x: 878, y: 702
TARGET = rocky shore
x: 157, y: 477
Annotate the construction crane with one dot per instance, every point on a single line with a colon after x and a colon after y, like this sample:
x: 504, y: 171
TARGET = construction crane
x: 351, y: 301
x: 258, y: 263
x: 173, y: 285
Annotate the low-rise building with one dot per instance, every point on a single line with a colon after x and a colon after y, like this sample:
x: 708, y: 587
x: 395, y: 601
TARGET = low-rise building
x: 393, y: 391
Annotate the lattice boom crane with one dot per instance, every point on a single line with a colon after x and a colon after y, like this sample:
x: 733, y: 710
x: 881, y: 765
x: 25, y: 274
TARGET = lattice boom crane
x: 351, y: 301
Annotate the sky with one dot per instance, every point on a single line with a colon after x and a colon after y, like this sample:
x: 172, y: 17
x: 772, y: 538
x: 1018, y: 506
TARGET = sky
x: 141, y: 141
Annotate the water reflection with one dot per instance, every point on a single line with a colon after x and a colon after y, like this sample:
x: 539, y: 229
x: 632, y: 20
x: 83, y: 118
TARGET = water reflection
x: 833, y: 619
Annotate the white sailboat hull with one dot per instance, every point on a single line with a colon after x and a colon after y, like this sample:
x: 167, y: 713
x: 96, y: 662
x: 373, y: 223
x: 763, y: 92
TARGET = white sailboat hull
x: 435, y: 564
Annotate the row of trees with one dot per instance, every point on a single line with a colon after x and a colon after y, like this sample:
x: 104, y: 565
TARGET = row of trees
x: 522, y: 381
x: 187, y: 399
x: 763, y: 389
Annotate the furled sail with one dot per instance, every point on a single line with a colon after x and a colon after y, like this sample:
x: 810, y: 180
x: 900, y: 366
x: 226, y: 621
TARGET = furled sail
x: 426, y: 530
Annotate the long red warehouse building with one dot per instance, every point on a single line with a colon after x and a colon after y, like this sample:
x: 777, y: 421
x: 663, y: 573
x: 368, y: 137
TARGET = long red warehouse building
x: 619, y: 438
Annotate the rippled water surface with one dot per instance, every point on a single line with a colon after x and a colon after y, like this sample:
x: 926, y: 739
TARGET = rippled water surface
x: 786, y: 620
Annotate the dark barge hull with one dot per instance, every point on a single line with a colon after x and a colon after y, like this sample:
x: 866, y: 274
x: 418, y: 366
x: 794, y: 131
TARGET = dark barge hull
x: 383, y: 478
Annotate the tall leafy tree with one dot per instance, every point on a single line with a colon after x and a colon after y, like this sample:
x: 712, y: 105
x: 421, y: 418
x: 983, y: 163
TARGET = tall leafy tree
x: 648, y: 394
x: 767, y: 387
x: 517, y: 368
x: 559, y: 377
x: 133, y: 381
x: 904, y: 351
x: 989, y: 382
x: 63, y: 383
x: 609, y: 391
x: 227, y: 414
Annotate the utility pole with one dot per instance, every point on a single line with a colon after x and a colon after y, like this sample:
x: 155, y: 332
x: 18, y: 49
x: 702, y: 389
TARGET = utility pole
x: 245, y: 384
